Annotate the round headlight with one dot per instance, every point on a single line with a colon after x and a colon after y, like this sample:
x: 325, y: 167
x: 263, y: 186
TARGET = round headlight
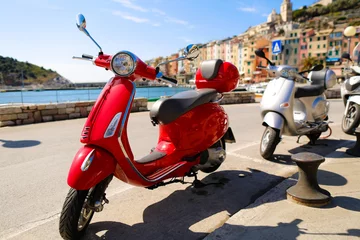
x: 123, y: 63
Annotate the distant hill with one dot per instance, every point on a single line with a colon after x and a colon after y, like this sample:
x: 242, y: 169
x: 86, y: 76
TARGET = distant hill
x: 338, y: 12
x: 12, y: 72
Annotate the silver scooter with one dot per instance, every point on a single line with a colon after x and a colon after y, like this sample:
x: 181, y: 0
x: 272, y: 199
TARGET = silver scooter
x: 350, y: 93
x: 290, y: 110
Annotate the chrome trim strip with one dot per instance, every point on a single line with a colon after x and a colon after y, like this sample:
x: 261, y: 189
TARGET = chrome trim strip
x: 123, y: 148
x: 87, y: 161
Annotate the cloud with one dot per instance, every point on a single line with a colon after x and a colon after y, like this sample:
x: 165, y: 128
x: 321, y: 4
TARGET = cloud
x: 130, y: 17
x: 156, y: 24
x: 247, y: 9
x: 175, y: 20
x: 131, y: 5
x: 158, y: 11
x: 264, y: 14
x: 185, y: 39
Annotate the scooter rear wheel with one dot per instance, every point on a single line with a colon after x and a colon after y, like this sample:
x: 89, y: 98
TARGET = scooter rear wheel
x: 269, y: 141
x: 351, y: 119
x: 75, y: 216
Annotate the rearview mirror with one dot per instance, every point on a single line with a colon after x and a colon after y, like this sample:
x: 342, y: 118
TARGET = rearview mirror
x: 346, y: 56
x: 260, y: 53
x: 317, y: 68
x: 191, y: 52
x: 81, y: 23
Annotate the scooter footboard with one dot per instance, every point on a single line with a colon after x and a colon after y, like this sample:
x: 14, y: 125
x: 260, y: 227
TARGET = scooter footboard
x: 91, y: 164
x: 274, y: 120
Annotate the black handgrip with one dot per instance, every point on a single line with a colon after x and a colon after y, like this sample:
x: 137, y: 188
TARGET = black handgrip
x: 87, y: 56
x: 172, y: 80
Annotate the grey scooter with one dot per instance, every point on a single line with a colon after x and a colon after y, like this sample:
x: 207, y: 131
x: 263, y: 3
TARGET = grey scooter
x: 350, y: 93
x: 290, y: 110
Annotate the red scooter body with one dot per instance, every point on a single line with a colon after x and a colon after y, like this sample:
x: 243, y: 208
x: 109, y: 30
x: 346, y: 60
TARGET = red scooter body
x: 184, y: 138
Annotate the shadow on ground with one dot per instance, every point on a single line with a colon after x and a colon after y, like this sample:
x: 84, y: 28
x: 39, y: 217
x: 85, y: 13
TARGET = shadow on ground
x: 175, y: 216
x: 19, y: 143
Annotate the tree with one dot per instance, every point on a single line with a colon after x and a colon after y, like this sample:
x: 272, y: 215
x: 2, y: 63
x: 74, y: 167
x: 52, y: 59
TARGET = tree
x: 308, y: 62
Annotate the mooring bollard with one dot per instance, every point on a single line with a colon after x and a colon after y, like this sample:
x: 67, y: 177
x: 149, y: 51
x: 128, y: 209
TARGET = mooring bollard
x: 307, y: 191
x: 355, y: 150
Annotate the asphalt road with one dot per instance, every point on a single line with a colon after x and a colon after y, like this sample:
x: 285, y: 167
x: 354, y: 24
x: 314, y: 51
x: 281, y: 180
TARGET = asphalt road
x: 34, y: 162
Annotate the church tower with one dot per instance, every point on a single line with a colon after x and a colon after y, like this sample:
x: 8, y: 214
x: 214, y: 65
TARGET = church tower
x: 286, y: 11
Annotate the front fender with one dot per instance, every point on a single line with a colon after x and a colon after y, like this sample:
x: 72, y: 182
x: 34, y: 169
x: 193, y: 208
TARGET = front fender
x: 91, y: 164
x: 273, y: 120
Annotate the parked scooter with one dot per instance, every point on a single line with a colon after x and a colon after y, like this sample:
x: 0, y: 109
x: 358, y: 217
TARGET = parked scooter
x: 350, y: 93
x: 290, y: 110
x: 193, y: 130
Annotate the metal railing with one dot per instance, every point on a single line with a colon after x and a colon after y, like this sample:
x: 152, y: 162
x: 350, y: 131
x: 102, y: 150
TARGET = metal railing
x: 59, y: 96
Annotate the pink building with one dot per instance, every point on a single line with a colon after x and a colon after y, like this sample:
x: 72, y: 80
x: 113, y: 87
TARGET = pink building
x: 304, y: 42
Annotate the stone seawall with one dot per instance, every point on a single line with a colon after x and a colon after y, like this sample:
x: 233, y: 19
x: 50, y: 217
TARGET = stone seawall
x: 27, y: 114
x: 238, y: 97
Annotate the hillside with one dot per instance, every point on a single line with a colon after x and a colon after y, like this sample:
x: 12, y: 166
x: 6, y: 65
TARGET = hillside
x: 12, y: 72
x: 338, y: 12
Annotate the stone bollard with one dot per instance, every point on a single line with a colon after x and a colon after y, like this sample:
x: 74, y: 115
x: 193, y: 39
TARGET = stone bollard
x: 307, y: 191
x: 355, y: 150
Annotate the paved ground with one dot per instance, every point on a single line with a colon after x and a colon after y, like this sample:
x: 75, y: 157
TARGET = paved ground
x: 35, y: 160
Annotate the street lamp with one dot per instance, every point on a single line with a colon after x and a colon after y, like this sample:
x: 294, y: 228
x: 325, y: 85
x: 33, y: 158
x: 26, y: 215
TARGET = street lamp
x: 349, y: 32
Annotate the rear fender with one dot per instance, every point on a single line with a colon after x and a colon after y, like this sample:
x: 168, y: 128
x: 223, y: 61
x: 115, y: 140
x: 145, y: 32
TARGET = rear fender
x: 90, y: 166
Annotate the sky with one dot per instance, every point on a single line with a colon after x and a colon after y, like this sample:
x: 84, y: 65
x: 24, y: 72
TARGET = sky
x: 43, y: 32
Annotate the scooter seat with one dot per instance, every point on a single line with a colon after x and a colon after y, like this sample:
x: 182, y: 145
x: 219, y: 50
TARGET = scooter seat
x: 167, y: 110
x: 309, y: 91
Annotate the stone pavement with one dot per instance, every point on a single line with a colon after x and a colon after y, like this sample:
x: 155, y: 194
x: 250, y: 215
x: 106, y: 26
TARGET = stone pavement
x: 271, y: 216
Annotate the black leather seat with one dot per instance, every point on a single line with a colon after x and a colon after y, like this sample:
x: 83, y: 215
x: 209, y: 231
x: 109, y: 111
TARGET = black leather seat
x: 309, y: 91
x: 167, y: 110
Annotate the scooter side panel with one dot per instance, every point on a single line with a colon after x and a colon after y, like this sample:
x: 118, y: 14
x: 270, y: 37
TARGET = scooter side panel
x: 90, y: 165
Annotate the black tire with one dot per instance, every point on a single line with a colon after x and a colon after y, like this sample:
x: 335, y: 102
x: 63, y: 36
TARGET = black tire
x: 70, y: 215
x: 351, y: 119
x: 269, y: 141
x: 220, y: 143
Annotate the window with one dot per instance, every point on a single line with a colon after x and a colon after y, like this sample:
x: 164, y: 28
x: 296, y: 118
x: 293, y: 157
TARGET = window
x: 309, y: 54
x: 318, y: 47
x: 318, y: 54
x: 295, y: 34
x: 303, y: 55
x: 345, y: 45
x: 286, y: 62
x: 338, y: 34
x: 356, y: 43
x: 324, y: 38
x: 248, y: 63
x: 331, y: 35
x: 331, y: 44
x: 295, y: 61
x: 336, y: 52
x: 276, y: 57
x: 295, y: 50
x: 248, y: 71
x: 310, y: 46
x: 294, y: 40
x: 324, y: 46
x: 310, y: 39
x: 319, y: 38
x: 304, y: 39
x: 291, y: 34
x: 287, y: 51
x: 324, y: 54
x: 330, y: 53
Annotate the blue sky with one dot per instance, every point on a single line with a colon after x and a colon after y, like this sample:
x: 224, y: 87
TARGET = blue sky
x: 43, y: 32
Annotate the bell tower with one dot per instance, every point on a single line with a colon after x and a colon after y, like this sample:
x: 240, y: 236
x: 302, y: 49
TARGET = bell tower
x: 286, y: 11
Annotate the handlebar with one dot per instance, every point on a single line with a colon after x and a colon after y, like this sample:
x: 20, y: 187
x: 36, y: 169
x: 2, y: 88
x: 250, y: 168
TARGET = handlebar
x: 168, y: 80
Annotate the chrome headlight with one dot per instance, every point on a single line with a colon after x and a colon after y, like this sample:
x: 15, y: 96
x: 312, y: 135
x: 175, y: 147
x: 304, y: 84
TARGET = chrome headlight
x: 123, y: 63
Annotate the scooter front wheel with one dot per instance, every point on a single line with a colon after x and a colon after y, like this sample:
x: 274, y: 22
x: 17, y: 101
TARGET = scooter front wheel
x: 76, y: 215
x: 269, y: 141
x: 351, y: 119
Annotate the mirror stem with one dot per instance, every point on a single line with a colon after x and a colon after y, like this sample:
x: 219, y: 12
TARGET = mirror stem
x: 88, y: 34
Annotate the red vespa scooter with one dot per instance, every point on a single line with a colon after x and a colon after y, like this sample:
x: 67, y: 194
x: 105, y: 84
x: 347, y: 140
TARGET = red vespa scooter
x: 193, y: 130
